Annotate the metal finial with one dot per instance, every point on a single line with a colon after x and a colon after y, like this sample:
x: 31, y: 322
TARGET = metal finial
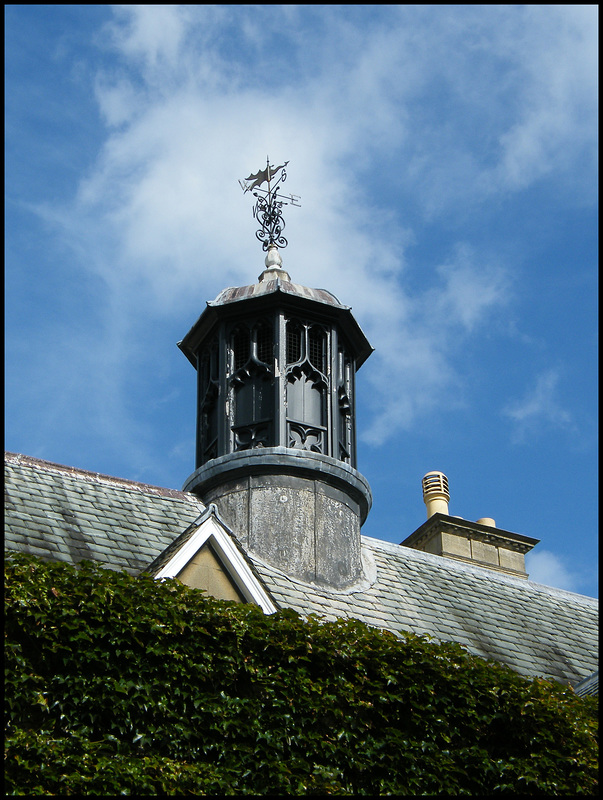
x: 269, y: 204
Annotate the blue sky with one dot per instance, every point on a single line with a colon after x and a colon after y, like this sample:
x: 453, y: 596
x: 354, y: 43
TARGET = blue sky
x: 446, y: 157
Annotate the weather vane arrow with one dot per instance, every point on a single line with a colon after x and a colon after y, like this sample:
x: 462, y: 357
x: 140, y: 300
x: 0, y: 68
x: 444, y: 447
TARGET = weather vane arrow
x: 269, y: 203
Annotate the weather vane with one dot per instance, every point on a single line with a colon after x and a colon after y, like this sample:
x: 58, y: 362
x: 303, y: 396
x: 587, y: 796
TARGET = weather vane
x: 268, y: 208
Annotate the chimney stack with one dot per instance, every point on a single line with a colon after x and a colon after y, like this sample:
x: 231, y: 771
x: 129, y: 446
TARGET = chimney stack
x: 480, y: 543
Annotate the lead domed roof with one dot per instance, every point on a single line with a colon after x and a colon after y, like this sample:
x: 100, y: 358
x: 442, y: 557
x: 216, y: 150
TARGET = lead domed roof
x: 275, y: 279
x: 266, y: 287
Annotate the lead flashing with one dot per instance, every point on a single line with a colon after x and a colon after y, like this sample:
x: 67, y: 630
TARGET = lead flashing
x: 283, y: 461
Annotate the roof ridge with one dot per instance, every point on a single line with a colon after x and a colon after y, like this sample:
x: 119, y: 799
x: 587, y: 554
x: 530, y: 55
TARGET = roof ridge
x: 20, y: 459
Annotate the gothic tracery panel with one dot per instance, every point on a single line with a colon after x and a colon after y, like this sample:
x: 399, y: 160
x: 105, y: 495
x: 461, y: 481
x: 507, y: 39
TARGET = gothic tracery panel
x: 252, y: 385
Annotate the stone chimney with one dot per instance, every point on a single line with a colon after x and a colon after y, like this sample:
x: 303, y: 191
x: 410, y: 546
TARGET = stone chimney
x: 480, y: 543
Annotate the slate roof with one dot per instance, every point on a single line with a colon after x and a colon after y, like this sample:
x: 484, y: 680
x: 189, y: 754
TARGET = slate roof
x: 66, y: 514
x: 61, y: 513
x: 537, y: 630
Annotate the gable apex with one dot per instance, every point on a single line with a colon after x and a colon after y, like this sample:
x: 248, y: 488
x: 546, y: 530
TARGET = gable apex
x: 209, y: 530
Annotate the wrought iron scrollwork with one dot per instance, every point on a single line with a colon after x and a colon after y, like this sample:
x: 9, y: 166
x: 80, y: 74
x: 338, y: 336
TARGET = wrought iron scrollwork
x: 268, y: 208
x: 268, y: 212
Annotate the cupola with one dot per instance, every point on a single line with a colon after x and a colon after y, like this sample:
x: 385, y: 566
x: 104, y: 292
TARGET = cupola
x: 276, y: 444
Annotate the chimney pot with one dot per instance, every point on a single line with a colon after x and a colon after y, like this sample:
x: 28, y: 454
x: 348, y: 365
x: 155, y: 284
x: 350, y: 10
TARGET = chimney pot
x: 435, y: 493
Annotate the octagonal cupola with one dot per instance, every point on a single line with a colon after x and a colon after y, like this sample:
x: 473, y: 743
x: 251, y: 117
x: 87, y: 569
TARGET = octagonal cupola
x: 276, y: 363
x: 276, y: 443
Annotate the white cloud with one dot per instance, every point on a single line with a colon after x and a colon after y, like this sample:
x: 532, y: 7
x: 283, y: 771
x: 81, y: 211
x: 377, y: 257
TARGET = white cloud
x: 539, y: 407
x: 152, y: 35
x: 470, y: 290
x: 416, y: 365
x: 199, y: 95
x: 557, y: 53
x: 117, y: 100
x: 547, y: 568
x: 507, y: 95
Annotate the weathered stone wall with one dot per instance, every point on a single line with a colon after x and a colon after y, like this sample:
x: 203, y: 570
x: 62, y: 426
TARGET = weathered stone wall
x: 302, y: 526
x: 297, y: 510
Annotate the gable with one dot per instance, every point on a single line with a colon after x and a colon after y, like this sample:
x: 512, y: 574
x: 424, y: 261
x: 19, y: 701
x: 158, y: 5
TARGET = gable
x: 207, y: 551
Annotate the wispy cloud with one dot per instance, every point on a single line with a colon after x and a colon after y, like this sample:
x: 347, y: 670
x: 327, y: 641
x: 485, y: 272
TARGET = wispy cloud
x: 418, y: 364
x: 539, y: 408
x: 547, y: 568
x: 198, y: 95
x: 556, y: 52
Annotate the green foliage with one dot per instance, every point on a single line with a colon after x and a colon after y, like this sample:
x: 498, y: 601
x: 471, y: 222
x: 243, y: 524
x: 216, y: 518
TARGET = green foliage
x: 121, y: 685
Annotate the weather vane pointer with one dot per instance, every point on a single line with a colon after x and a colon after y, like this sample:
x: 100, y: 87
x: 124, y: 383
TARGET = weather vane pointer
x: 269, y: 203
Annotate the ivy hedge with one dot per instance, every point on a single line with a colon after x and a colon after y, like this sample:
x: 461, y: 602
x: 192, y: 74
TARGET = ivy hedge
x: 122, y: 685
